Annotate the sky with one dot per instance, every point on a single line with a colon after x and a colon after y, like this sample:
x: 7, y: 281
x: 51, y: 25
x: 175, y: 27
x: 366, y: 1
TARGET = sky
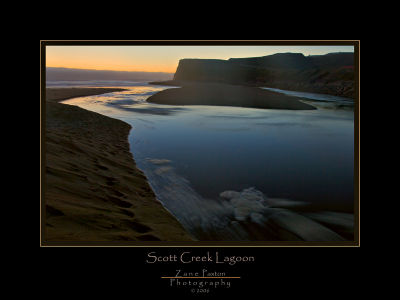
x: 162, y: 58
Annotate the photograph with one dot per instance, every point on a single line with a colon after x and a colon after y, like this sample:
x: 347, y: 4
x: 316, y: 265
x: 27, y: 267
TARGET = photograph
x: 199, y: 143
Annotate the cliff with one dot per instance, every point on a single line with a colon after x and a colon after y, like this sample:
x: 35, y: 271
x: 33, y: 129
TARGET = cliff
x: 332, y: 73
x: 213, y: 70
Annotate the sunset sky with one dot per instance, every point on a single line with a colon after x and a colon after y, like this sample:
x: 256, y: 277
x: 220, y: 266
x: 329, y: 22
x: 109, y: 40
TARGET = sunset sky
x: 162, y: 58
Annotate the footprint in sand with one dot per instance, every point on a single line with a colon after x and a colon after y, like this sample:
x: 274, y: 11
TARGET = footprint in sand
x: 127, y: 213
x: 119, y: 202
x: 101, y: 167
x: 53, y: 212
x: 141, y: 228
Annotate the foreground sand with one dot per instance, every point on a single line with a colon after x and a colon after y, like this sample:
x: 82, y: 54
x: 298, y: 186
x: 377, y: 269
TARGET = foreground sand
x: 227, y: 95
x: 93, y: 189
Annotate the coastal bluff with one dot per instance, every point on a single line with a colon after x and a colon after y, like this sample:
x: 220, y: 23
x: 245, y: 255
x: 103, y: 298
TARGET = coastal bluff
x: 332, y: 73
x: 92, y: 189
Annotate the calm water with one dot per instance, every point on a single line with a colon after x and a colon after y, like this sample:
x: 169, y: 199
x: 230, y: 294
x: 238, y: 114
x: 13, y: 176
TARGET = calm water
x: 191, y: 154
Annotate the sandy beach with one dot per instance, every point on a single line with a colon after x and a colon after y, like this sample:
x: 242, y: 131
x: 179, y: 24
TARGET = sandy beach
x: 227, y: 95
x: 93, y: 190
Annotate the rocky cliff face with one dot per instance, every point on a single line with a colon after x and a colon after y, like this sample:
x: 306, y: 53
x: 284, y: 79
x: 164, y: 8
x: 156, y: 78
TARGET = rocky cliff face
x: 332, y: 73
x: 212, y: 70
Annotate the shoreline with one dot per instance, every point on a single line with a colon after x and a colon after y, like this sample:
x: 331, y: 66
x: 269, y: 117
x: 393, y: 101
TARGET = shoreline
x: 59, y: 94
x: 93, y: 188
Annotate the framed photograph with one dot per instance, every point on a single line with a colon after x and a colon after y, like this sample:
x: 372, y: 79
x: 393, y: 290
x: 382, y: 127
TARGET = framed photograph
x: 204, y: 144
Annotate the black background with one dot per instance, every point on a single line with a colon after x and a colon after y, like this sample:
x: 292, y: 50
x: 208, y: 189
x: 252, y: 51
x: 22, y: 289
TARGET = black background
x: 278, y: 272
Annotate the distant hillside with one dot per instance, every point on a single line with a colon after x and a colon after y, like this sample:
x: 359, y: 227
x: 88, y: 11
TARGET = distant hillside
x: 297, y: 61
x: 333, y: 60
x: 66, y: 74
x: 331, y: 73
x: 294, y: 61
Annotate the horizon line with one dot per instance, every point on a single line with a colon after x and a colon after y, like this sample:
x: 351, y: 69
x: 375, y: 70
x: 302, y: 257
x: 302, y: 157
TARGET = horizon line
x: 109, y: 70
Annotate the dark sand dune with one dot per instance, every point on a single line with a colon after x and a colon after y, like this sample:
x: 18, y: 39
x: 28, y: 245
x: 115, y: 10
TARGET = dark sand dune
x: 227, y: 95
x: 93, y: 190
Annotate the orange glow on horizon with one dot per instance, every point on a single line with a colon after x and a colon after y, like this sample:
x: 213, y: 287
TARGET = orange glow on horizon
x: 161, y: 58
x: 137, y: 59
x: 116, y: 68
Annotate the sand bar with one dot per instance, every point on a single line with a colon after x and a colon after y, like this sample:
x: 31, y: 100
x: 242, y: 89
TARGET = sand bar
x: 228, y: 95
